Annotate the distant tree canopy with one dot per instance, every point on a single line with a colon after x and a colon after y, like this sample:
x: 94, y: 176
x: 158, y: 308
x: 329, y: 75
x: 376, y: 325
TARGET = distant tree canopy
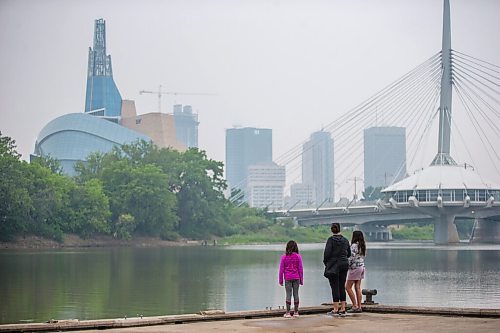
x: 372, y: 193
x: 136, y: 189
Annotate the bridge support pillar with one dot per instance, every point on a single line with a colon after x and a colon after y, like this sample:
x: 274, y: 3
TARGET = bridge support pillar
x: 486, y: 231
x: 376, y: 233
x: 445, y: 230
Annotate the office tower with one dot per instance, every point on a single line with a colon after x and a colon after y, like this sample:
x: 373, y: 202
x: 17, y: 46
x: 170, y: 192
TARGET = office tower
x: 301, y: 195
x: 186, y: 125
x: 317, y: 168
x: 265, y: 186
x: 384, y: 155
x: 102, y: 98
x: 244, y: 147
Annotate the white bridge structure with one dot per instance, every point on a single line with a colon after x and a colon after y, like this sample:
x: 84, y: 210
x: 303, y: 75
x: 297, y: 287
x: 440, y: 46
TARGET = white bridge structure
x: 444, y: 191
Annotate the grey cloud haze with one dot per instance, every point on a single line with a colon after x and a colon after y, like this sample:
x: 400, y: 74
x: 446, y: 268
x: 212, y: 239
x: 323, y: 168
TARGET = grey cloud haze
x: 293, y: 66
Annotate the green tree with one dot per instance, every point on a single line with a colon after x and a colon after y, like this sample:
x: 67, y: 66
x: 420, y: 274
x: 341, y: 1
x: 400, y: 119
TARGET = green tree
x: 15, y: 201
x: 141, y: 191
x: 90, y: 169
x: 90, y: 212
x: 202, y: 208
x: 124, y: 227
x: 50, y: 163
x: 50, y: 195
x: 372, y: 193
x: 248, y: 220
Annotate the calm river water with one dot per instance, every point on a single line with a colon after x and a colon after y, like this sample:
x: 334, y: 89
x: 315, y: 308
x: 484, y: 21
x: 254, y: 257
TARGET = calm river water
x: 38, y: 285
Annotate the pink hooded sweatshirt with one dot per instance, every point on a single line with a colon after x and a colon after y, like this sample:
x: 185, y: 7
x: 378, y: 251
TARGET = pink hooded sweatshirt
x: 291, y: 268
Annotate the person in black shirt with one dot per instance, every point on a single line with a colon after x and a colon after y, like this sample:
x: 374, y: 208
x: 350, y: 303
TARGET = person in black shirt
x: 337, y: 250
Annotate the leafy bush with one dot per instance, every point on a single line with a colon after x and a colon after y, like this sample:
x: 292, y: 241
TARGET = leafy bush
x: 169, y: 235
x: 414, y: 232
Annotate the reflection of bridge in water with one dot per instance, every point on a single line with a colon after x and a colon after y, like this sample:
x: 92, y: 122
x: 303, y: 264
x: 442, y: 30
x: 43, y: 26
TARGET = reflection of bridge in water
x: 444, y: 191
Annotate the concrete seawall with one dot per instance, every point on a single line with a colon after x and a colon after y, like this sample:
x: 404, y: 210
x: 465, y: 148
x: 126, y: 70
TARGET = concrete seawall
x: 212, y: 316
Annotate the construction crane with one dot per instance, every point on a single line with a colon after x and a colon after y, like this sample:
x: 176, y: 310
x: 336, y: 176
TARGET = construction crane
x: 175, y: 93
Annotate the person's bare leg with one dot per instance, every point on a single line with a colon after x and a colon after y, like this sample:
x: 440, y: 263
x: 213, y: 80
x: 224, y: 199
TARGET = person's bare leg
x: 350, y: 292
x: 359, y: 296
x: 342, y: 307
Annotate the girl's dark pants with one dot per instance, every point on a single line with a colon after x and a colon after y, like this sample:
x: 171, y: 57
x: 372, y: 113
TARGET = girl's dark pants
x: 292, y: 286
x: 337, y: 283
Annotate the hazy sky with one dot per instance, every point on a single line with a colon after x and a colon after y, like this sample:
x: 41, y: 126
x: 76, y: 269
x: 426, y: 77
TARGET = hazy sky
x: 293, y: 66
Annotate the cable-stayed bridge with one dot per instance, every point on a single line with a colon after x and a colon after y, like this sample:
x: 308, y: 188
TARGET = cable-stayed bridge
x: 421, y: 101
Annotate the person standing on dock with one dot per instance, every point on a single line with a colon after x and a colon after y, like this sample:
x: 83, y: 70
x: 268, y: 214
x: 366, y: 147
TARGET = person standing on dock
x: 292, y: 272
x: 356, y: 271
x: 335, y: 259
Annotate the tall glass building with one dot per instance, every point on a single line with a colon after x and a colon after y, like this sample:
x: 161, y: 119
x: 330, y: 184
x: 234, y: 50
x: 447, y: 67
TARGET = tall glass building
x: 384, y: 155
x: 102, y: 98
x: 245, y: 147
x: 72, y: 137
x: 186, y: 125
x: 317, y: 167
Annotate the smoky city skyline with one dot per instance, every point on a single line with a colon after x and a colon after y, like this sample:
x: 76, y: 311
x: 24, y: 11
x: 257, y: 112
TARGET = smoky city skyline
x: 290, y: 66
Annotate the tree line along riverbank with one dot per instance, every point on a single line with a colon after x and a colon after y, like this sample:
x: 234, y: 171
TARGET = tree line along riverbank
x: 136, y: 191
x: 272, y: 234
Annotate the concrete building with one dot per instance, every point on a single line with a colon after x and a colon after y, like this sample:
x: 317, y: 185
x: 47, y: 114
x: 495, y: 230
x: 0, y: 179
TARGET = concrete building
x: 265, y: 186
x: 160, y: 127
x: 318, y: 168
x: 301, y: 195
x: 384, y: 155
x: 245, y: 147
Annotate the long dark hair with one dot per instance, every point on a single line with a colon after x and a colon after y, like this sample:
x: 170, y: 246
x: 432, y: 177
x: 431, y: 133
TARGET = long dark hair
x: 357, y: 237
x: 291, y: 247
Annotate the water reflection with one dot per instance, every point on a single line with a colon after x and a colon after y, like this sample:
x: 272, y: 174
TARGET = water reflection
x: 117, y: 282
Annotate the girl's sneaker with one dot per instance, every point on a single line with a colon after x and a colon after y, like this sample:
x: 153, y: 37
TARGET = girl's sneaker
x: 287, y: 315
x: 296, y: 314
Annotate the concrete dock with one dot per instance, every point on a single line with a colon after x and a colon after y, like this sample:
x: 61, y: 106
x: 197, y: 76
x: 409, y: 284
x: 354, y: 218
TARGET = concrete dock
x: 375, y: 318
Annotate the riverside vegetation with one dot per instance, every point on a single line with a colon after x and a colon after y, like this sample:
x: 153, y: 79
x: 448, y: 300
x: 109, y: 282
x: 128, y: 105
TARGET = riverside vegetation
x: 135, y: 190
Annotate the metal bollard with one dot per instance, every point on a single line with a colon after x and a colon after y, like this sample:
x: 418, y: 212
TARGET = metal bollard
x: 369, y: 293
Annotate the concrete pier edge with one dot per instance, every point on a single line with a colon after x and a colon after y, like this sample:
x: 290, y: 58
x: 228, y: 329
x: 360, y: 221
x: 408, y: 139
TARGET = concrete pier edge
x: 101, y: 324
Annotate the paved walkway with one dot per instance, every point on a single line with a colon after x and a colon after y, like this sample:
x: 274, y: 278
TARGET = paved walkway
x: 375, y: 318
x: 353, y: 323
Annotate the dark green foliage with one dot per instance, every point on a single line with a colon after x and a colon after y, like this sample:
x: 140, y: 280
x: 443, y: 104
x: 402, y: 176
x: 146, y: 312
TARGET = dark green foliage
x: 464, y: 227
x: 124, y: 227
x: 48, y: 162
x: 372, y: 193
x: 414, y: 232
x: 136, y: 189
x: 90, y: 210
x: 169, y: 235
x: 15, y: 201
x: 50, y: 201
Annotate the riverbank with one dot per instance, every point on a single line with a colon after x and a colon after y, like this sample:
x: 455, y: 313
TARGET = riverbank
x: 74, y: 241
x: 375, y: 318
x: 274, y: 234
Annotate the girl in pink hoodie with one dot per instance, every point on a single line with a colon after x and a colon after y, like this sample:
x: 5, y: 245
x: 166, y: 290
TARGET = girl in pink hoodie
x: 291, y: 271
